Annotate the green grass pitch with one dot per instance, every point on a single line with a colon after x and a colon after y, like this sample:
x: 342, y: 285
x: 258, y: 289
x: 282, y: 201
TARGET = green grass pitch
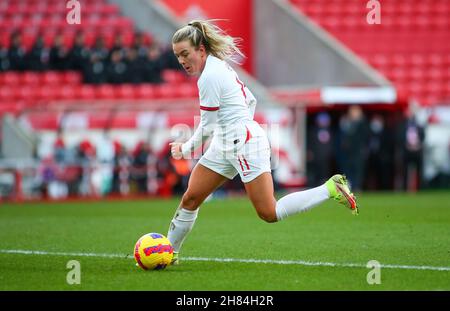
x: 411, y: 233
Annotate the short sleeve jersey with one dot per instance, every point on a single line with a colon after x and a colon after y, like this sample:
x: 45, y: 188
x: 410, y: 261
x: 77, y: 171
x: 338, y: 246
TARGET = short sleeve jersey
x: 220, y: 89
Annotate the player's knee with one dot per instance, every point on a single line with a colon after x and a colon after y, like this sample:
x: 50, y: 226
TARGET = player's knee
x: 190, y: 201
x: 268, y: 216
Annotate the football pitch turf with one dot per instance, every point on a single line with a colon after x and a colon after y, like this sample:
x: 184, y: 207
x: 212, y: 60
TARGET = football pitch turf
x: 230, y: 248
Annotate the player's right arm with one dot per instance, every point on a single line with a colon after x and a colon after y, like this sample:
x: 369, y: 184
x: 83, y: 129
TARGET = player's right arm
x: 210, y: 92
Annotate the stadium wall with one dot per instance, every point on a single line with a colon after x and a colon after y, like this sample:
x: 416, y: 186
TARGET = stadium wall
x: 16, y: 143
x: 149, y: 16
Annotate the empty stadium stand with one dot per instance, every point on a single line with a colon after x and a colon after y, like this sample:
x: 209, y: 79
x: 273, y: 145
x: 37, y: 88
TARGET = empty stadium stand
x: 411, y: 46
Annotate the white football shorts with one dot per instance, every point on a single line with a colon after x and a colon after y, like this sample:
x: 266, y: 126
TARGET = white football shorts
x: 250, y: 157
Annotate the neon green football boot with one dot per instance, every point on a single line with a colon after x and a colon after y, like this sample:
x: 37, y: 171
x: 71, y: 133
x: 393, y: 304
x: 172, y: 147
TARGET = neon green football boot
x: 340, y: 191
x: 175, y: 260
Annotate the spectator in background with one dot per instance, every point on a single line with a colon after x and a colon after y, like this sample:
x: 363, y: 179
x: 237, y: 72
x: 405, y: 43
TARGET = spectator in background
x: 117, y: 69
x: 94, y: 71
x: 320, y: 149
x: 143, y: 163
x: 100, y: 50
x: 140, y: 45
x: 121, y: 176
x: 16, y: 53
x: 38, y: 57
x: 182, y: 169
x: 59, y: 148
x: 168, y: 179
x: 103, y: 171
x: 142, y: 63
x: 117, y: 46
x: 380, y: 151
x: 134, y: 67
x: 58, y: 54
x: 86, y: 156
x: 353, y: 144
x: 153, y: 66
x: 50, y: 175
x: 168, y: 59
x: 79, y: 54
x: 410, y: 137
x: 4, y: 60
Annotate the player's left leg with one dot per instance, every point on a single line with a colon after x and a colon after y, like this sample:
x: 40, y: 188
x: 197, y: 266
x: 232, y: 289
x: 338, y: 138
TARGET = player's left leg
x: 261, y: 193
x: 254, y: 170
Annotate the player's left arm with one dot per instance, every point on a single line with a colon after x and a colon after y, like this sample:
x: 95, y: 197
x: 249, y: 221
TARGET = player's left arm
x: 251, y: 102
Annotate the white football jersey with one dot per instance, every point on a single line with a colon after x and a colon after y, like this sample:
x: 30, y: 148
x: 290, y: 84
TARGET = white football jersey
x: 227, y: 108
x: 221, y: 89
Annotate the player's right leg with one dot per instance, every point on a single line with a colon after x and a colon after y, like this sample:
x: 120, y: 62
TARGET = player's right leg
x: 202, y: 182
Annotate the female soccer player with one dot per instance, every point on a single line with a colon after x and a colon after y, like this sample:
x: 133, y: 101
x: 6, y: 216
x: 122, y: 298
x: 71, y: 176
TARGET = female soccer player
x: 239, y: 144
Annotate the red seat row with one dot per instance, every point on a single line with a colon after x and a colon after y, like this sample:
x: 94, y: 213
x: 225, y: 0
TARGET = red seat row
x: 59, y: 7
x: 61, y: 23
x: 409, y: 61
x: 31, y: 78
x: 47, y: 2
x: 9, y: 78
x: 32, y: 94
x: 314, y: 9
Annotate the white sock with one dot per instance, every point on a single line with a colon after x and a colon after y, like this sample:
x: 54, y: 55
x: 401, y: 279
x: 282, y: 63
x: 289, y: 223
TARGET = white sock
x: 301, y: 201
x: 181, y: 225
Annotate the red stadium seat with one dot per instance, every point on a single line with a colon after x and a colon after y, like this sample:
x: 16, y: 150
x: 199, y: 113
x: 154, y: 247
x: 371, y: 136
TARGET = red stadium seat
x: 31, y: 78
x: 27, y: 93
x: 85, y: 91
x: 166, y: 90
x: 123, y: 23
x: 106, y: 91
x: 11, y: 77
x: 7, y: 94
x: 53, y: 77
x: 173, y: 76
x: 186, y: 90
x: 109, y: 10
x: 417, y: 74
x: 12, y: 108
x: 67, y: 92
x: 127, y: 91
x: 46, y: 93
x: 146, y: 91
x: 72, y: 77
x: 417, y: 60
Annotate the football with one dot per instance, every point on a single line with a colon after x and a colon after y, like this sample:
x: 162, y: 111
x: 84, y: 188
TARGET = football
x: 153, y: 251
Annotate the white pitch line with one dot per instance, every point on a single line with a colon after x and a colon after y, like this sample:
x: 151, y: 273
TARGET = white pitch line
x: 264, y: 261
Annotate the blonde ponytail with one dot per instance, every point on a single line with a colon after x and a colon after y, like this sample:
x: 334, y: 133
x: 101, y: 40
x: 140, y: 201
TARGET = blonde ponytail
x: 213, y: 38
